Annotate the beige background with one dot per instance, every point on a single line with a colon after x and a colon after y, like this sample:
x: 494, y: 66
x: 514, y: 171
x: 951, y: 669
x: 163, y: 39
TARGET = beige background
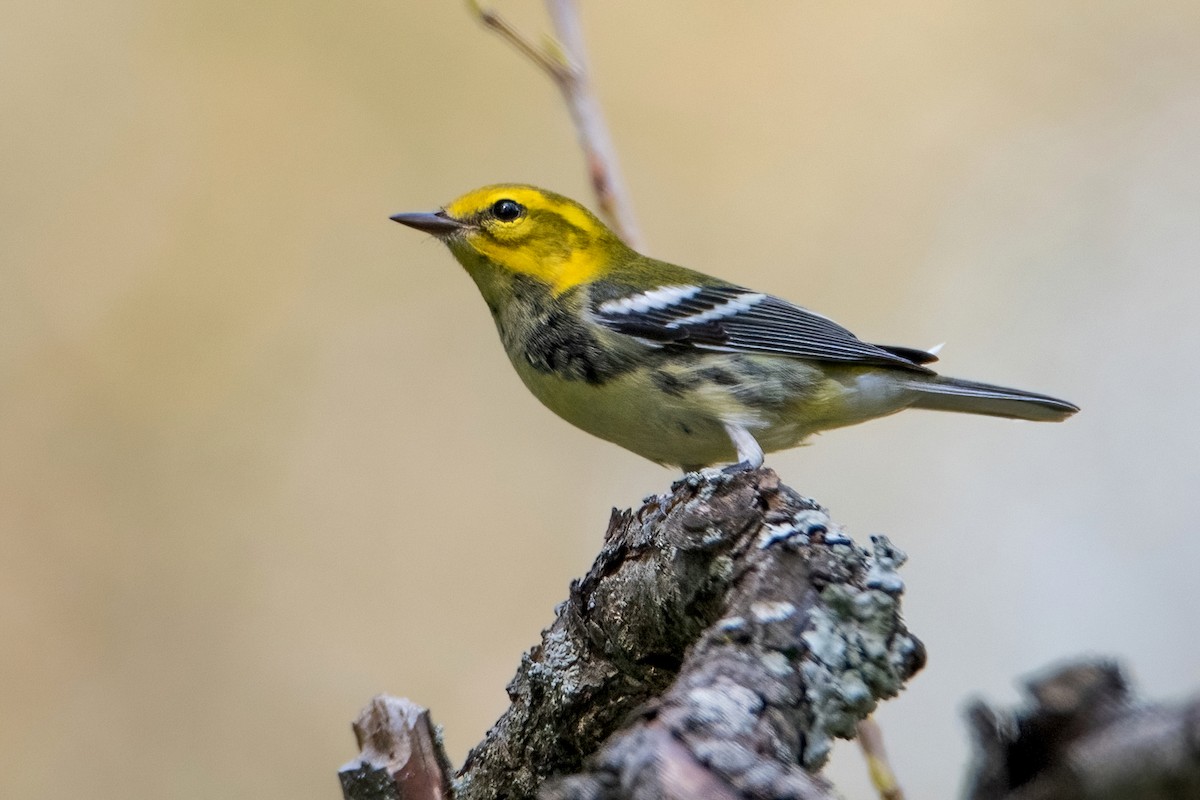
x: 239, y: 407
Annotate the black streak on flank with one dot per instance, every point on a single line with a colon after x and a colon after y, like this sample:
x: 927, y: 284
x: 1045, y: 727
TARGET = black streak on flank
x: 553, y: 341
x: 719, y: 376
x: 669, y: 384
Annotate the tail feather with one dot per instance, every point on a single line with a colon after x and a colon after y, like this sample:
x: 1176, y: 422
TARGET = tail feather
x: 969, y: 397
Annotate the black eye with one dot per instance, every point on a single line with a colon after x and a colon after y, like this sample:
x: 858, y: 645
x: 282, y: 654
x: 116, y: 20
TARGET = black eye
x: 507, y: 210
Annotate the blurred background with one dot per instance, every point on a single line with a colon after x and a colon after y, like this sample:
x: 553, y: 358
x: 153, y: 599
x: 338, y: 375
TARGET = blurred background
x: 262, y: 457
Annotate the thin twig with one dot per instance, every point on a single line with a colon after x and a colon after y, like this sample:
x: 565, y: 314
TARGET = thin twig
x: 870, y: 739
x: 553, y: 66
x: 594, y: 137
x: 566, y: 64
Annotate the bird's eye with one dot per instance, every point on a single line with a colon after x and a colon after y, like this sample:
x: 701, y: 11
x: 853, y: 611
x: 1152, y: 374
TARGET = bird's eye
x: 507, y: 210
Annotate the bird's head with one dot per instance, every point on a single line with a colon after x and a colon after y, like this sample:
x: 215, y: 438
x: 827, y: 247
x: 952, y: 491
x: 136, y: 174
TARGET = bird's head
x: 518, y: 229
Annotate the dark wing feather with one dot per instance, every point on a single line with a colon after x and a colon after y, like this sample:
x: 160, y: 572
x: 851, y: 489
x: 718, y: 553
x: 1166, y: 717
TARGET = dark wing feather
x: 911, y: 353
x: 734, y: 319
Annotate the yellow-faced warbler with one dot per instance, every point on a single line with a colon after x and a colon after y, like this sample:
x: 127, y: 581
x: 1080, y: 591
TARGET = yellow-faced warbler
x: 673, y: 364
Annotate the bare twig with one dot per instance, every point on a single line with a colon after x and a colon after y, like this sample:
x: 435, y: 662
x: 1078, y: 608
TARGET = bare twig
x: 551, y: 62
x: 870, y: 740
x: 566, y: 65
x: 594, y: 137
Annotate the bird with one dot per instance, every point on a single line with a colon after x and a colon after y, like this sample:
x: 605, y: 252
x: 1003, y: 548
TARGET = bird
x: 682, y: 368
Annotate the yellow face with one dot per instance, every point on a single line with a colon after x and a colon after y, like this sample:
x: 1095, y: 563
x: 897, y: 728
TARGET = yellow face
x: 530, y: 231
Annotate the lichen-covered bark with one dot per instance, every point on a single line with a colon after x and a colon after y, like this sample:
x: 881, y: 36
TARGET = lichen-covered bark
x: 620, y: 637
x: 809, y: 639
x: 725, y: 634
x: 794, y: 633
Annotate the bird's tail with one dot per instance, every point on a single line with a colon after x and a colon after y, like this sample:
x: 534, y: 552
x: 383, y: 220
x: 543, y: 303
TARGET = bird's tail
x: 969, y: 397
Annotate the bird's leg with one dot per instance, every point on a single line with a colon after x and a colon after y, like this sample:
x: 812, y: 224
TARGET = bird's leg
x: 749, y: 452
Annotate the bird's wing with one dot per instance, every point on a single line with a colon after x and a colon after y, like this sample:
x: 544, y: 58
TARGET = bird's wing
x: 733, y: 319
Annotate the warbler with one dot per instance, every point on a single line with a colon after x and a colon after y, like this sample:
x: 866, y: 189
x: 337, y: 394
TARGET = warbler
x: 680, y: 367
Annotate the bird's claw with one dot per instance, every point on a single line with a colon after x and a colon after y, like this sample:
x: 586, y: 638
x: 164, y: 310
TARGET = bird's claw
x: 739, y: 468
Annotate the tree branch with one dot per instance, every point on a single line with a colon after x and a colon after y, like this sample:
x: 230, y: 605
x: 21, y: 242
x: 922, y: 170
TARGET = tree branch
x: 566, y: 63
x: 594, y: 138
x: 550, y: 62
x: 1084, y: 737
x: 725, y: 634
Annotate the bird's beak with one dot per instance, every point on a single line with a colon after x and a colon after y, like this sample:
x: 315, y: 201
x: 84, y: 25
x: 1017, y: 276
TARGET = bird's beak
x: 437, y: 223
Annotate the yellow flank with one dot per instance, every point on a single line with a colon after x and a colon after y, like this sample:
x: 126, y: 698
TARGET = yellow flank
x: 688, y: 429
x: 674, y: 365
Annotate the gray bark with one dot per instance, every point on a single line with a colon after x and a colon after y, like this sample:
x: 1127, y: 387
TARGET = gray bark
x: 725, y: 634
